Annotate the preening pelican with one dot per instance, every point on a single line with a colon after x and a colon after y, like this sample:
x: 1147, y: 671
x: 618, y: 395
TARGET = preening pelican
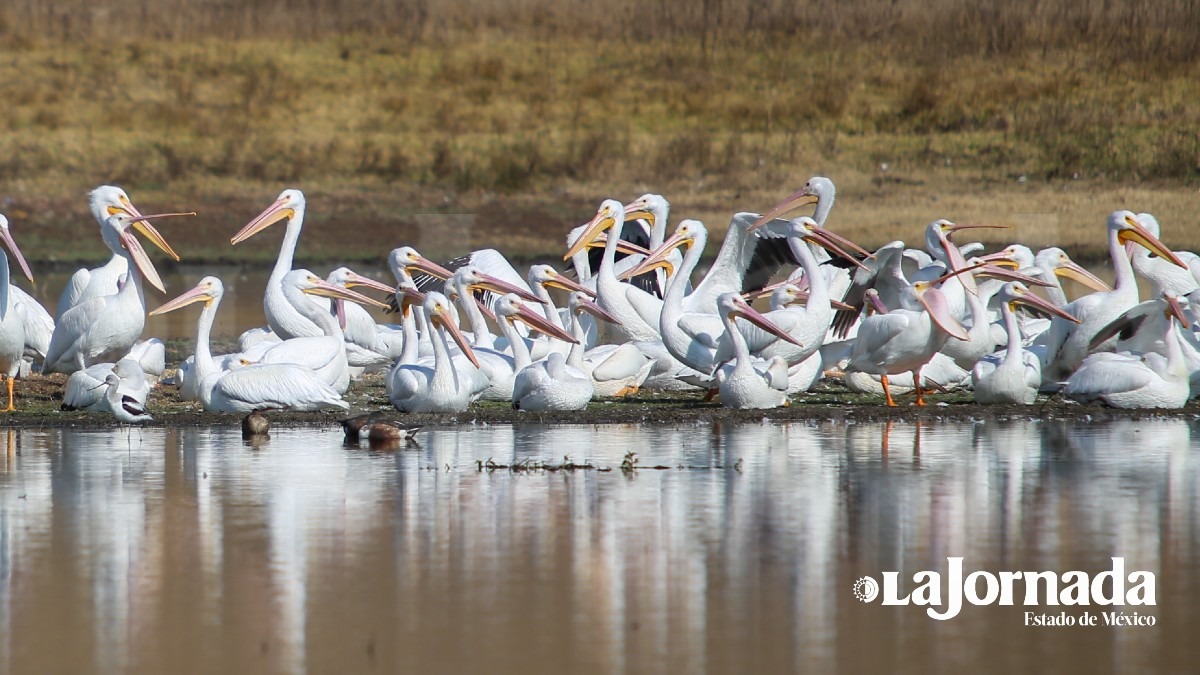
x: 1067, y: 342
x: 251, y: 387
x: 12, y: 315
x: 744, y: 383
x: 1126, y: 380
x: 85, y: 284
x: 1014, y: 375
x: 442, y: 386
x: 905, y: 339
x: 104, y: 328
x: 84, y: 392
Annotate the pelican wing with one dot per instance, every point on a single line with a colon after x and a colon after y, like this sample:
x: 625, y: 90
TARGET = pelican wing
x: 276, y: 386
x: 39, y: 325
x: 70, y: 328
x: 622, y: 362
x: 875, y: 332
x: 1108, y: 373
x: 73, y: 291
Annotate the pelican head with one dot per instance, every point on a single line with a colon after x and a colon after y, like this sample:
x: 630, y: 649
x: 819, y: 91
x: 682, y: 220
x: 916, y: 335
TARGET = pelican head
x: 473, y: 278
x: 938, y: 307
x: 402, y: 261
x: 1014, y: 256
x: 548, y: 276
x: 687, y: 234
x: 11, y: 245
x: 110, y: 200
x: 649, y: 207
x: 606, y: 218
x: 311, y: 284
x: 209, y: 291
x: 511, y: 308
x: 1056, y: 259
x: 1130, y: 230
x: 288, y: 206
x: 817, y: 188
x: 580, y: 302
x: 734, y: 305
x: 116, y: 231
x: 1016, y: 293
x: 442, y: 315
x: 348, y: 278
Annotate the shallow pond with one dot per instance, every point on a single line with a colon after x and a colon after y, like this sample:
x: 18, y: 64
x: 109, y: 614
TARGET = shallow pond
x: 729, y: 548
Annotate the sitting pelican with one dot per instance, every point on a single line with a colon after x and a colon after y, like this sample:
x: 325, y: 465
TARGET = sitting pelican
x: 368, y: 344
x: 552, y: 384
x: 502, y: 367
x: 443, y: 386
x: 246, y: 388
x: 12, y: 315
x: 1067, y: 342
x: 744, y: 383
x: 1014, y: 375
x: 1126, y: 380
x: 105, y: 327
x: 616, y: 370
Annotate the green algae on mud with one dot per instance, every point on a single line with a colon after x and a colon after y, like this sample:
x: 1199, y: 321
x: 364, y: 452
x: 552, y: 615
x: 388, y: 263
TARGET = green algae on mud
x: 39, y: 399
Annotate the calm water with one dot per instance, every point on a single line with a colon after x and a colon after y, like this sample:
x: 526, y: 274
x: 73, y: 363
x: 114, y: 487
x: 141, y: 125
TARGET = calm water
x: 188, y: 550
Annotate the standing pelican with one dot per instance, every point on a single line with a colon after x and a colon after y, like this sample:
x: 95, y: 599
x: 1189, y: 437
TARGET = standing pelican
x: 12, y: 316
x: 905, y: 339
x: 285, y: 320
x: 1067, y: 342
x: 1125, y: 380
x: 85, y: 284
x: 1014, y: 375
x: 247, y: 388
x: 443, y: 386
x: 743, y: 384
x: 104, y: 328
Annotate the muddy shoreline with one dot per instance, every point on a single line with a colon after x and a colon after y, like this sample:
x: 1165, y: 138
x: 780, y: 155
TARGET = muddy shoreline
x: 39, y: 399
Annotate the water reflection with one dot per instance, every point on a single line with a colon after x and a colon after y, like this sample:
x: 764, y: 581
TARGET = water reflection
x: 189, y: 550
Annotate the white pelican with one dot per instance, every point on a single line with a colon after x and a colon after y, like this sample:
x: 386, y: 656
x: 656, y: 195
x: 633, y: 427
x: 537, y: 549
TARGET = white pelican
x: 463, y: 284
x: 83, y: 386
x: 285, y: 320
x: 125, y: 408
x: 905, y: 339
x: 501, y: 367
x: 1066, y: 342
x: 325, y: 354
x: 552, y: 384
x: 368, y: 344
x: 544, y: 276
x: 104, y: 328
x: 1055, y: 263
x: 1130, y: 381
x: 1014, y: 375
x: 616, y: 370
x: 818, y: 190
x: 443, y: 386
x: 743, y: 383
x: 1164, y: 277
x: 84, y: 284
x: 250, y: 387
x: 12, y: 316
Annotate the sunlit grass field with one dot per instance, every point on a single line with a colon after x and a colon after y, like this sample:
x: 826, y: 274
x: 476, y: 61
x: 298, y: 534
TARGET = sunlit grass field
x: 504, y: 124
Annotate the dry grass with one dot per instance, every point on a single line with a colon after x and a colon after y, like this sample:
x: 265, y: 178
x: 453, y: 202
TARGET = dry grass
x: 1050, y: 112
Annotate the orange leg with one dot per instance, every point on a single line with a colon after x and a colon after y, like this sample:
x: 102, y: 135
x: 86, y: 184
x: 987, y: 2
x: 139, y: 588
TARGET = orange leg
x: 887, y: 392
x: 10, y: 407
x: 917, y: 384
x: 712, y: 394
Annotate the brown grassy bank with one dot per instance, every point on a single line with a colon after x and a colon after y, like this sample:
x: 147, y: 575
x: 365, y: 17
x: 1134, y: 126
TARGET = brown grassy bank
x: 503, y: 123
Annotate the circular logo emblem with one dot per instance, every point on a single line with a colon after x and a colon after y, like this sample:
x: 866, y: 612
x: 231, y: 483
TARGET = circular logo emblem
x: 865, y: 589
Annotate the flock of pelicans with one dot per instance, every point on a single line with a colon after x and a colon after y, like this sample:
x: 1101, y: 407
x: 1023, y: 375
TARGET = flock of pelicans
x: 637, y: 317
